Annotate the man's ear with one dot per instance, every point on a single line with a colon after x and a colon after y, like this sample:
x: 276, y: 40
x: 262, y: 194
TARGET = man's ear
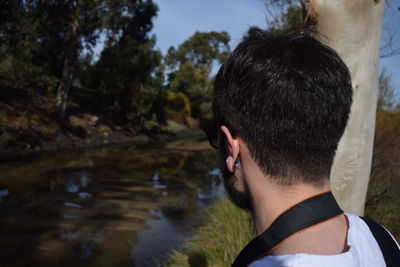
x: 233, y: 148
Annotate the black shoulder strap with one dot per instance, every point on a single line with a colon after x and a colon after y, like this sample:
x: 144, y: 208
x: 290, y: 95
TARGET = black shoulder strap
x: 387, y: 244
x: 301, y: 216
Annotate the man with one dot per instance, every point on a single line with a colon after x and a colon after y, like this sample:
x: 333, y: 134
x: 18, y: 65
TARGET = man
x: 281, y: 104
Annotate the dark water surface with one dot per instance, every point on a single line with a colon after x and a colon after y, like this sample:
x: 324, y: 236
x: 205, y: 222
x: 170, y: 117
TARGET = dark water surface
x: 126, y: 206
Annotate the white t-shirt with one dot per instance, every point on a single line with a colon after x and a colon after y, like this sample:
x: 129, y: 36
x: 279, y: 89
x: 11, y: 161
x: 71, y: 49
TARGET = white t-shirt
x: 364, y: 252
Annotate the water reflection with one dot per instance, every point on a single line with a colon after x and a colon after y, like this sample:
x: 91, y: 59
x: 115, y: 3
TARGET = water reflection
x: 122, y: 206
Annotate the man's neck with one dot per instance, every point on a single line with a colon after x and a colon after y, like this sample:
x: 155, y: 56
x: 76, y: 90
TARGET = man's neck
x: 269, y: 199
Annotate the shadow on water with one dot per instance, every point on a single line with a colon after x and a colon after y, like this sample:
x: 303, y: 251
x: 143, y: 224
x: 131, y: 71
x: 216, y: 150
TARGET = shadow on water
x: 125, y: 206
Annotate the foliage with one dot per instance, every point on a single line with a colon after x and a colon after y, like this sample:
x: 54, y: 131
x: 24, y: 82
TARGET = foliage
x: 202, y: 48
x: 177, y: 107
x: 18, y: 47
x: 284, y: 15
x: 56, y: 21
x: 292, y: 17
x: 128, y: 64
x: 195, y: 83
x: 226, y: 231
x: 190, y: 67
x: 49, y: 43
x: 45, y: 39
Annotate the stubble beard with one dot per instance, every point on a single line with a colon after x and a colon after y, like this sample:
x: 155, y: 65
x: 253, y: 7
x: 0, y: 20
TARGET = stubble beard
x: 240, y: 199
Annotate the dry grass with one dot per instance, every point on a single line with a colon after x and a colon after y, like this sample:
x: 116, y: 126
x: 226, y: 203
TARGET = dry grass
x: 383, y: 199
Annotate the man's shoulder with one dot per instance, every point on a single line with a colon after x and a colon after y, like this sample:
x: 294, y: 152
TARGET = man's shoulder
x: 362, y: 226
x: 363, y: 251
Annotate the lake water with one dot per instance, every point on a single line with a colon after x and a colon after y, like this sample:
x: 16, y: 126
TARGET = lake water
x: 125, y: 206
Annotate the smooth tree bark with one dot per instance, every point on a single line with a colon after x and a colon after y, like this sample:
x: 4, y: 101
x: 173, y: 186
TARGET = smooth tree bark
x: 353, y: 29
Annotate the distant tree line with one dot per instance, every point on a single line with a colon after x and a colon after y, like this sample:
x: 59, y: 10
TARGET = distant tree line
x: 48, y: 46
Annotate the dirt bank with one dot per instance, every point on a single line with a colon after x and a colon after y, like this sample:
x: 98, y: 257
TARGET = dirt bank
x: 29, y: 127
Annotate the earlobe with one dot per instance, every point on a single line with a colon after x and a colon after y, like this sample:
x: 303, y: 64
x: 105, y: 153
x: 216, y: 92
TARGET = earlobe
x: 228, y: 163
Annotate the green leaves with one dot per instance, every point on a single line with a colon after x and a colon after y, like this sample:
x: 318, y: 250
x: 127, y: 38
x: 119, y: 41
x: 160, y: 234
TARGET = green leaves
x: 129, y: 67
x: 202, y: 48
x: 190, y: 67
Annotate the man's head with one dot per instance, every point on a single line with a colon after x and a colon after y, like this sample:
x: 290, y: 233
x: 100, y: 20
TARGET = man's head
x: 288, y: 98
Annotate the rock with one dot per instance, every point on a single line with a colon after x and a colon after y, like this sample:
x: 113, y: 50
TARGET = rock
x: 80, y: 125
x: 174, y: 127
x: 104, y: 130
x: 90, y: 119
x: 76, y: 127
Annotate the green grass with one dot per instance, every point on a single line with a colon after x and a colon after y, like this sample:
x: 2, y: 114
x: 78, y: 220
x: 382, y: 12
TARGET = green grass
x: 217, y: 243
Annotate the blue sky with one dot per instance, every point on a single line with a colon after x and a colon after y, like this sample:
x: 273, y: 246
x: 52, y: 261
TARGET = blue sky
x: 179, y: 19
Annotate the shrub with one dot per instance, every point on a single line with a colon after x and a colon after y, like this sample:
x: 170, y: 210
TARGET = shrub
x: 177, y: 107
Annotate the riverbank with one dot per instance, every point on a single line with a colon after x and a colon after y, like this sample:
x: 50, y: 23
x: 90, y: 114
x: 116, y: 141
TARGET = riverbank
x: 28, y: 127
x: 19, y: 144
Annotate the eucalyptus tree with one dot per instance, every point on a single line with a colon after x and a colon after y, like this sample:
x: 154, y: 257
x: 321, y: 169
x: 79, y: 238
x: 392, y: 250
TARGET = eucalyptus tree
x: 65, y: 29
x: 189, y: 68
x: 129, y: 69
x: 68, y: 30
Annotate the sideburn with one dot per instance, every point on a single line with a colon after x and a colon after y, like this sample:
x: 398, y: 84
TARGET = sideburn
x: 240, y: 199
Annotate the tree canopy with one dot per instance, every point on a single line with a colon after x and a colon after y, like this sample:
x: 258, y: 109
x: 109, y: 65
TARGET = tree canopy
x: 52, y: 47
x: 189, y: 68
x: 48, y: 45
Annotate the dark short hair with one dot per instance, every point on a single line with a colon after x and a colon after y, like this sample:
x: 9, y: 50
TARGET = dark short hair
x: 289, y: 98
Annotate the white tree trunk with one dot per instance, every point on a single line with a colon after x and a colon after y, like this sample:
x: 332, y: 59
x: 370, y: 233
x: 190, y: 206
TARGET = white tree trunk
x: 353, y: 29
